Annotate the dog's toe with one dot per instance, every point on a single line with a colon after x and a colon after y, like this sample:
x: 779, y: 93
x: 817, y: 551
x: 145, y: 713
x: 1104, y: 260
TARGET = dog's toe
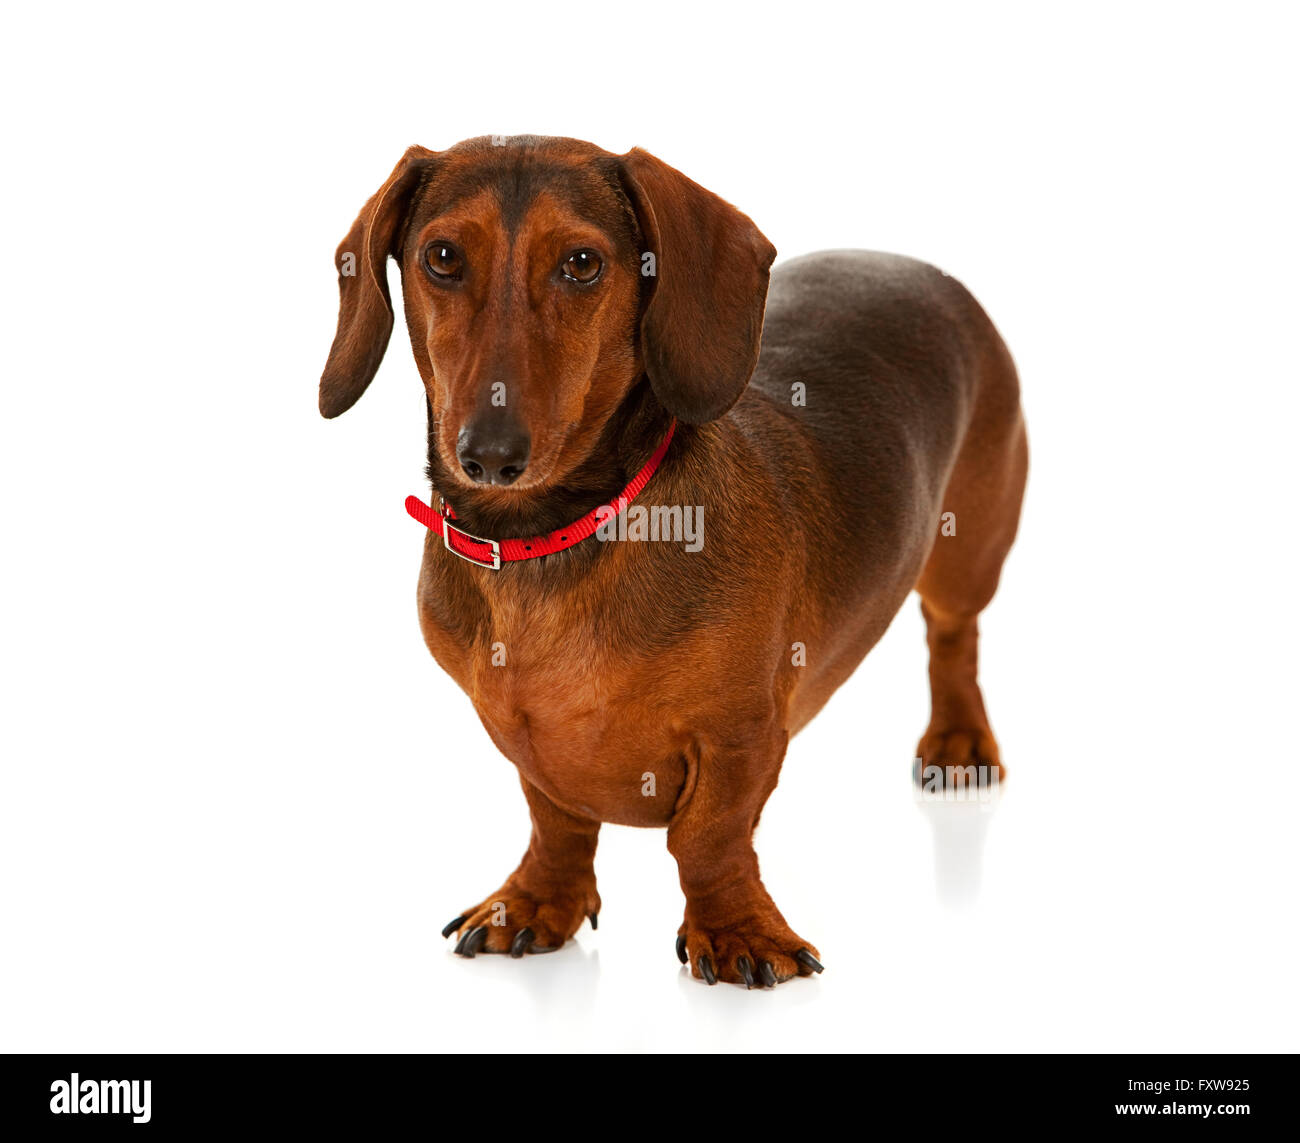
x: 516, y: 924
x: 957, y: 757
x: 755, y: 956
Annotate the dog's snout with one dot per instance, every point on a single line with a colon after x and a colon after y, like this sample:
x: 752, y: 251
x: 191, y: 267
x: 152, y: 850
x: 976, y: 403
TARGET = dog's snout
x: 493, y: 456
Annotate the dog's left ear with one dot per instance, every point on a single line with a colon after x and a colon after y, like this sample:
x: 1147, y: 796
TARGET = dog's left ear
x: 701, y: 327
x: 365, y: 308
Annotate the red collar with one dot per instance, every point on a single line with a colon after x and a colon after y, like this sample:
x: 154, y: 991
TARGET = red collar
x: 492, y: 553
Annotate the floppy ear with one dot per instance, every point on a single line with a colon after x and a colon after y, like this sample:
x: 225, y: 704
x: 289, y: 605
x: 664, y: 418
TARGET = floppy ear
x: 365, y: 308
x: 701, y: 327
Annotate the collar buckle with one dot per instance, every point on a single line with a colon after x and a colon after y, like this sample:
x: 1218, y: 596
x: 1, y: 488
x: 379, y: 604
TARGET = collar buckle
x: 493, y: 561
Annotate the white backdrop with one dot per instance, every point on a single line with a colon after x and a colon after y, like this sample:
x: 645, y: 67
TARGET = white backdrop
x: 238, y: 797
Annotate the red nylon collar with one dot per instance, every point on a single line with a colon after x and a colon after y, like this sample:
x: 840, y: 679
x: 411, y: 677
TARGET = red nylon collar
x: 492, y: 553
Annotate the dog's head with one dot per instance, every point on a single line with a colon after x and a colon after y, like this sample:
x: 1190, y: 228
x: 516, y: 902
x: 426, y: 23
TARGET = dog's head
x: 542, y: 278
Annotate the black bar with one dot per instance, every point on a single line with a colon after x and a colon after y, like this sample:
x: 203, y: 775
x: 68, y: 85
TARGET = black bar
x: 540, y: 1095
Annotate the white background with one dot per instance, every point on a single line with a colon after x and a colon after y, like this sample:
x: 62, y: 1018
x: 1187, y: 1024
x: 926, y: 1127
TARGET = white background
x: 238, y: 797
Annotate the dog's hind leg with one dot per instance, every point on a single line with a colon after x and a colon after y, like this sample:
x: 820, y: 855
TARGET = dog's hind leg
x: 981, y: 511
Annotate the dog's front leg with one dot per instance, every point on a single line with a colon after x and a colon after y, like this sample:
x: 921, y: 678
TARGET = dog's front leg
x: 544, y: 901
x: 733, y: 930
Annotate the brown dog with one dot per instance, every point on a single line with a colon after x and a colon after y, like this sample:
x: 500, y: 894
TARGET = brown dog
x: 565, y: 304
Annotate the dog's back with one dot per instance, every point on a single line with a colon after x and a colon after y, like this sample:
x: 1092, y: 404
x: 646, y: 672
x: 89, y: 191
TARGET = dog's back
x: 875, y: 366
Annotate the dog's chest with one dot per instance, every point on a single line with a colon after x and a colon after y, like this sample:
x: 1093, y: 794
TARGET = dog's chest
x: 581, y: 721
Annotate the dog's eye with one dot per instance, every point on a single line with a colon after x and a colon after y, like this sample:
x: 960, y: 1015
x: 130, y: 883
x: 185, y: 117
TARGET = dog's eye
x: 581, y: 266
x: 444, y: 260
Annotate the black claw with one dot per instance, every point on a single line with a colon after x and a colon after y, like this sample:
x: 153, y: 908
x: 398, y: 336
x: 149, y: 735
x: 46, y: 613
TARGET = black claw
x: 454, y: 925
x: 746, y: 971
x: 805, y: 958
x: 706, y: 970
x: 523, y: 939
x: 767, y: 974
x: 472, y: 942
x: 681, y: 947
x: 594, y: 918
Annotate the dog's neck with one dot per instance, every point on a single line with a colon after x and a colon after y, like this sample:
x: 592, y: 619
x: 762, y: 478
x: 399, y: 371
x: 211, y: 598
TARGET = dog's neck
x: 625, y: 443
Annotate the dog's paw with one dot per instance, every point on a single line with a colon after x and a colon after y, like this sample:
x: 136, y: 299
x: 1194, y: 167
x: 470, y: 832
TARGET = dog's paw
x: 754, y: 954
x: 517, y: 923
x: 957, y: 757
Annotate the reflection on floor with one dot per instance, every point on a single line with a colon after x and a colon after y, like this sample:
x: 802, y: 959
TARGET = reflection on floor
x: 960, y: 820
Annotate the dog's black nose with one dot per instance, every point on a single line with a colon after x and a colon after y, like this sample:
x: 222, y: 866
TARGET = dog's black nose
x: 496, y: 457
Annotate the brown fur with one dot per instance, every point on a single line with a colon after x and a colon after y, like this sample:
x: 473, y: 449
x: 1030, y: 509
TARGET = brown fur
x: 627, y: 659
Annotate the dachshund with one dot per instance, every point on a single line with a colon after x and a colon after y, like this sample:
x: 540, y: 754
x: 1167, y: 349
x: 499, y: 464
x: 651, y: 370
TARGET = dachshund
x: 598, y: 335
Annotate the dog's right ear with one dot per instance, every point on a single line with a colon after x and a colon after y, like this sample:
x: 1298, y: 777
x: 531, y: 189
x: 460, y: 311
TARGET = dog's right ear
x: 365, y: 307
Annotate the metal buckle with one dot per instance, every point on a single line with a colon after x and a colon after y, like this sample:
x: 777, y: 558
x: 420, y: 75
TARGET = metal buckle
x: 494, y: 563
